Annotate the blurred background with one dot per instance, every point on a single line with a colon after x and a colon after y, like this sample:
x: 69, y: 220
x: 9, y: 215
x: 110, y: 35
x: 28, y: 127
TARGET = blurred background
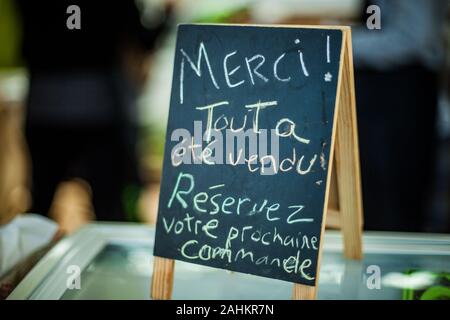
x: 83, y: 112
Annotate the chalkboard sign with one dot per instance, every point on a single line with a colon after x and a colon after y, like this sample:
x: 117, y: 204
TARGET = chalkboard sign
x: 248, y: 148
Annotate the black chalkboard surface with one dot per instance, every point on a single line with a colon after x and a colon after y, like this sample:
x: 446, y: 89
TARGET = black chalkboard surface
x: 230, y: 201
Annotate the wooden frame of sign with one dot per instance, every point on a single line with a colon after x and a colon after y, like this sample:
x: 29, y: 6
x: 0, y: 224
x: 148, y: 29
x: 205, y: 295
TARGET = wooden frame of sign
x: 343, y: 195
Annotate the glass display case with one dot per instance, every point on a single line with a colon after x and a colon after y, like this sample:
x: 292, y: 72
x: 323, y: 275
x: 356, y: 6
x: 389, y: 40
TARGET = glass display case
x: 115, y: 262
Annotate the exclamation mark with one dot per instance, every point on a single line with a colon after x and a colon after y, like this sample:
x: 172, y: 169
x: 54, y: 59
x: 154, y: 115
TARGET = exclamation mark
x: 328, y: 49
x: 328, y: 76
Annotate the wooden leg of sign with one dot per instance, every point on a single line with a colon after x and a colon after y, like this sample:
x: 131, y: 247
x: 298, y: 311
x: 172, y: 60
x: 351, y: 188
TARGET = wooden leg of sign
x: 162, y: 280
x: 302, y: 292
x: 347, y: 161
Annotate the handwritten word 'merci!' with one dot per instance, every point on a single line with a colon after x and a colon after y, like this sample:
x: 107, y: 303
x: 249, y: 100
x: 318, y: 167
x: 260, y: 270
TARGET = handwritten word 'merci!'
x: 230, y: 64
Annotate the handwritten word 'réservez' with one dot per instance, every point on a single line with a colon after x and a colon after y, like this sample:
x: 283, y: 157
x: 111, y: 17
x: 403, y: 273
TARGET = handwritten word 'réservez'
x: 212, y: 201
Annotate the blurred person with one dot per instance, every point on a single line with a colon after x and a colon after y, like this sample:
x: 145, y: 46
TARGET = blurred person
x: 14, y: 194
x: 23, y: 238
x: 396, y: 78
x: 80, y: 121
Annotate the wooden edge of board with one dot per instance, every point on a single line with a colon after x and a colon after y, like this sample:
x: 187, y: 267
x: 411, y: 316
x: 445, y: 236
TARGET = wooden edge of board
x: 347, y: 160
x: 326, y: 27
x: 357, y: 166
x: 162, y: 279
